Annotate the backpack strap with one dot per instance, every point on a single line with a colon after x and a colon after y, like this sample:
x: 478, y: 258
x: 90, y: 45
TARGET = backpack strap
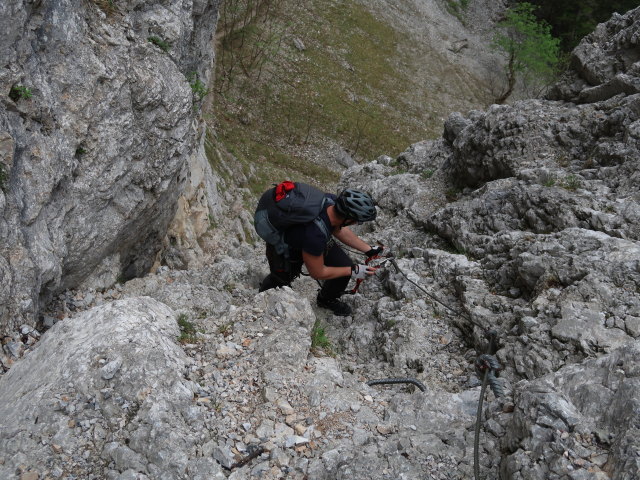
x: 320, y: 223
x: 322, y: 226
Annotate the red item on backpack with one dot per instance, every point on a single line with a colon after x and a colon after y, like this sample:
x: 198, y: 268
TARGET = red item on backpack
x: 283, y: 188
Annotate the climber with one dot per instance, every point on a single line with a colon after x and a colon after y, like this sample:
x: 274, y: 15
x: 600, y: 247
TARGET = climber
x: 309, y: 244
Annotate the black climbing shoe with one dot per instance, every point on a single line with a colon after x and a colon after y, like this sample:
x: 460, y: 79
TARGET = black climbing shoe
x: 338, y: 308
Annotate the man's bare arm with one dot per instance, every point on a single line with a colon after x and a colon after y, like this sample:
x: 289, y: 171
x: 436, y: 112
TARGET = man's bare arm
x: 318, y: 270
x: 346, y: 236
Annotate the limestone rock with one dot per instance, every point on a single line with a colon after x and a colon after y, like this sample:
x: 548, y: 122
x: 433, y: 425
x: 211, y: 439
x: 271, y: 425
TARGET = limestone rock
x: 97, y: 156
x: 567, y: 409
x: 520, y: 225
x: 85, y: 389
x: 594, y: 76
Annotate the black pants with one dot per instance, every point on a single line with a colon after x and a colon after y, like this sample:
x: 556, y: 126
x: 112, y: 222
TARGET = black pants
x: 282, y: 274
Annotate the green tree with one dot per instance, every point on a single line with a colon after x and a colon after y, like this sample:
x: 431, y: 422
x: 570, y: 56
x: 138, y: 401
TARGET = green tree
x: 571, y: 20
x: 532, y: 52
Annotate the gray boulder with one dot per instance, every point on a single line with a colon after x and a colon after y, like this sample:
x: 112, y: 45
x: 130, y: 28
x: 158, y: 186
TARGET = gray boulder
x: 605, y: 63
x: 582, y: 415
x: 104, y: 395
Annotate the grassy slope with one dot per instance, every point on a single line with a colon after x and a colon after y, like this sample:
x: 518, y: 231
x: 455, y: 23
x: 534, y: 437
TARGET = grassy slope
x: 352, y: 87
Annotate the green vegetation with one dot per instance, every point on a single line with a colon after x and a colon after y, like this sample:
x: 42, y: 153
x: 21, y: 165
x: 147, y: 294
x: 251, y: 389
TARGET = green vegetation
x: 319, y: 339
x: 571, y: 183
x: 452, y: 194
x: 427, y: 174
x: 213, y: 224
x: 399, y: 167
x: 187, y: 330
x: 160, y: 43
x: 262, y: 163
x: 225, y: 329
x: 457, y: 8
x: 107, y: 6
x: 571, y: 20
x: 533, y: 53
x: 20, y: 91
x: 277, y: 103
x: 198, y: 88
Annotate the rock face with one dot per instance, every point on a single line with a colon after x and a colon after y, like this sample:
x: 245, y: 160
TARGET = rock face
x: 593, y: 403
x: 605, y: 63
x: 93, y: 155
x: 522, y: 219
x: 541, y: 197
x: 115, y: 400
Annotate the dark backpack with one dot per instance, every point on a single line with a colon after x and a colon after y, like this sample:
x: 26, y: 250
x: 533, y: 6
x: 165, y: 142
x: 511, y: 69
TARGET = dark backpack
x: 285, y: 205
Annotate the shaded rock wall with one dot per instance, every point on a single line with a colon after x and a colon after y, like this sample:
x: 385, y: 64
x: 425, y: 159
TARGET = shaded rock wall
x: 93, y: 162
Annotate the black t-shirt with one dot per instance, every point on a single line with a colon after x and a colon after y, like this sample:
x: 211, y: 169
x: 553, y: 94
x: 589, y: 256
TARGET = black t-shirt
x: 309, y: 237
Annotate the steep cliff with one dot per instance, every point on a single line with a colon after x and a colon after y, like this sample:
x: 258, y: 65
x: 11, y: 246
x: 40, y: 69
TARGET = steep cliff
x: 540, y: 201
x: 96, y: 129
x: 522, y: 219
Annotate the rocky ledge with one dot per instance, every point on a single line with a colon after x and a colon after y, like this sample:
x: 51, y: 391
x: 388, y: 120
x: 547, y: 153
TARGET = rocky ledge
x: 521, y: 220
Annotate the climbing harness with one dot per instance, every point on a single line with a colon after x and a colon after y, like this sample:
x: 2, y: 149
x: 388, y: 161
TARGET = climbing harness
x: 394, y: 381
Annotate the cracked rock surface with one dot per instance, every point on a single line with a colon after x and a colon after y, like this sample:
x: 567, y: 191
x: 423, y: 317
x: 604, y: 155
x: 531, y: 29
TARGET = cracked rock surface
x: 522, y: 220
x: 94, y: 160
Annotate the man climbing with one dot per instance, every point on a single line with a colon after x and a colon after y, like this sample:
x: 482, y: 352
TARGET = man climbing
x: 309, y: 244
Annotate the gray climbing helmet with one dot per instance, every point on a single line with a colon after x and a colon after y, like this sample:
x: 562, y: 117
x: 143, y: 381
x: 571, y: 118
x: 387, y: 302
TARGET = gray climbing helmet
x: 356, y: 205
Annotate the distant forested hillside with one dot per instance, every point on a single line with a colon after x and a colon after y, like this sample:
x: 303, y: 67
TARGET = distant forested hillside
x: 571, y: 20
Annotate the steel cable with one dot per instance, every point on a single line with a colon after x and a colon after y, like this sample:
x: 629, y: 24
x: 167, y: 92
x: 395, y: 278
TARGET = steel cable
x: 431, y: 296
x: 486, y: 366
x: 393, y: 381
x: 476, y: 441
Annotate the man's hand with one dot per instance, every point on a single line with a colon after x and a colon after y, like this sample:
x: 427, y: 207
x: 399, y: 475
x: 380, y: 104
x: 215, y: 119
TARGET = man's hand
x: 374, y: 251
x: 361, y: 271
